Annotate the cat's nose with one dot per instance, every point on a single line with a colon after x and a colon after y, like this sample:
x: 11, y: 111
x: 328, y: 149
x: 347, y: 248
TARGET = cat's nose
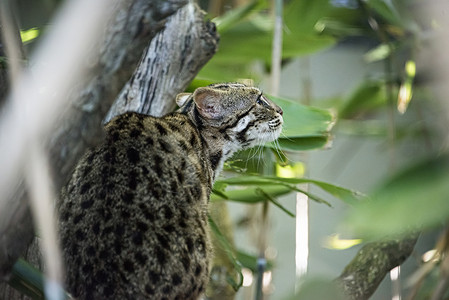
x: 279, y: 110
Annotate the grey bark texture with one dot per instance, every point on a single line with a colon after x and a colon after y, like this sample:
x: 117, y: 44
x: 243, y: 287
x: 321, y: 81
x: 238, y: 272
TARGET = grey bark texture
x: 361, y: 277
x: 134, y: 26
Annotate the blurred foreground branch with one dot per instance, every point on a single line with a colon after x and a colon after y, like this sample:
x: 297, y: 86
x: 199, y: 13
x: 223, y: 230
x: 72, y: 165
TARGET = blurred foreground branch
x: 365, y: 272
x: 135, y: 24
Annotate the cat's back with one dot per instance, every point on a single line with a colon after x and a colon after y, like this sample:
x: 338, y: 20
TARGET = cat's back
x: 134, y: 215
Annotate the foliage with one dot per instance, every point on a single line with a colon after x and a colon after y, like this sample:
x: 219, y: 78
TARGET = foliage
x: 419, y: 190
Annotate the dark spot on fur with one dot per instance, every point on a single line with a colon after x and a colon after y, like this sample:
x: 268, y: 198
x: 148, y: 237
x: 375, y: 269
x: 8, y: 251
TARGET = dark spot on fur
x: 196, y: 192
x: 144, y: 170
x: 103, y: 254
x: 119, y: 230
x: 189, y: 243
x: 87, y: 268
x: 128, y: 265
x: 87, y: 203
x: 185, y: 262
x: 161, y: 129
x: 148, y: 215
x: 135, y: 133
x: 132, y: 180
x: 107, y: 230
x: 215, y: 159
x: 128, y: 197
x: 166, y: 147
x: 133, y: 155
x: 166, y: 290
x: 168, y: 212
x: 157, y: 165
x: 137, y: 238
x: 198, y: 270
x: 173, y: 127
x: 140, y: 257
x: 87, y: 170
x: 154, y: 277
x: 114, y: 136
x: 183, y: 146
x: 176, y: 279
x: 79, y: 234
x: 163, y: 241
x: 160, y: 255
x: 125, y: 214
x: 78, y: 218
x: 193, y: 140
x: 149, y: 290
x: 182, y: 223
x: 109, y: 290
x: 96, y: 228
x: 201, y: 245
x: 107, y: 157
x: 117, y: 247
x: 149, y: 141
x: 180, y: 175
x: 173, y: 186
x: 169, y: 228
x: 85, y: 188
x: 101, y: 276
x: 143, y: 227
x: 90, y: 251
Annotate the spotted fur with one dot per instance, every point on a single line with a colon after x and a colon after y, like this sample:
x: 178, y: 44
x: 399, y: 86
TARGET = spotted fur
x: 133, y: 218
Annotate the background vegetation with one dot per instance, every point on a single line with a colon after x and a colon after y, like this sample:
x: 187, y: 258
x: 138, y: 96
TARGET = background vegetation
x: 398, y: 106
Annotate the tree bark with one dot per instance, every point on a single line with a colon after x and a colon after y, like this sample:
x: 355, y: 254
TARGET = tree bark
x: 365, y: 272
x: 135, y: 24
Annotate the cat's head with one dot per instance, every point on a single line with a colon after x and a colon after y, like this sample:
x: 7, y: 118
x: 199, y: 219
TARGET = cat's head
x: 239, y: 112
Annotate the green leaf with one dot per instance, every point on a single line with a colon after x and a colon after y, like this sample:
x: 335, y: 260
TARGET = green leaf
x: 252, y: 194
x: 416, y: 198
x: 227, y: 247
x: 251, y: 39
x: 387, y: 10
x: 305, y: 127
x: 234, y: 16
x: 275, y: 202
x: 349, y: 196
x: 368, y: 96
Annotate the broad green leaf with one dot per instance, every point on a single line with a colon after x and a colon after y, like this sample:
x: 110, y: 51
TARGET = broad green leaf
x: 416, y: 198
x: 251, y: 39
x: 305, y: 127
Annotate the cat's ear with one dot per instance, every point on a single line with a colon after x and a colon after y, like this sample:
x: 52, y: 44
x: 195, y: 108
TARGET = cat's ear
x: 208, y: 103
x: 182, y: 98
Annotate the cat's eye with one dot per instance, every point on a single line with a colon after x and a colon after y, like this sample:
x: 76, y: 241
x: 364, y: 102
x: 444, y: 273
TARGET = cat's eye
x: 260, y: 101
